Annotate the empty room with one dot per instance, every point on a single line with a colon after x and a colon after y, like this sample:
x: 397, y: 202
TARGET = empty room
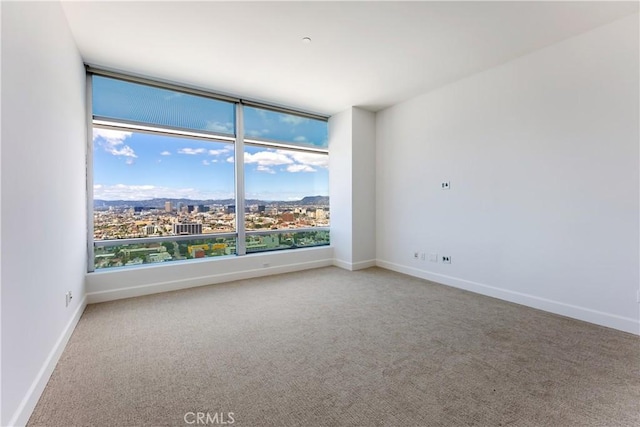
x: 320, y: 213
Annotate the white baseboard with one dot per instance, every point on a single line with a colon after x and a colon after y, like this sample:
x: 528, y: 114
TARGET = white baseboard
x: 192, y: 282
x: 353, y: 266
x: 28, y: 403
x: 342, y: 264
x: 581, y: 313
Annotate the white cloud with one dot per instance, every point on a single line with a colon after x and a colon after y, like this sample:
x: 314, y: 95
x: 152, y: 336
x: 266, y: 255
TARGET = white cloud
x: 267, y: 158
x: 124, y: 151
x: 146, y: 192
x: 311, y: 159
x: 300, y: 139
x: 219, y: 127
x: 192, y: 151
x: 116, y: 137
x: 224, y: 150
x: 293, y: 160
x: 266, y: 169
x: 292, y: 120
x: 300, y: 168
x: 165, y: 153
x: 112, y: 141
x: 130, y: 161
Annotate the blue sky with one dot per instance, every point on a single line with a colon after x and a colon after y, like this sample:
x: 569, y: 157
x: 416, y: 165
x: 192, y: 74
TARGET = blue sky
x: 139, y: 166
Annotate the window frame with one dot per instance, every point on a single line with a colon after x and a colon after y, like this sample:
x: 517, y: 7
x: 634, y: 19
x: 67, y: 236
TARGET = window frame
x: 238, y: 140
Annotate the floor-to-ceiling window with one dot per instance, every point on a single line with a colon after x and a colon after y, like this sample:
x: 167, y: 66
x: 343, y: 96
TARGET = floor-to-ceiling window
x: 177, y: 174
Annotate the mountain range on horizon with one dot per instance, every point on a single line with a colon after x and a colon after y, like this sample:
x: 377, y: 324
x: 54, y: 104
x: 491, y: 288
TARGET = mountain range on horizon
x: 159, y: 203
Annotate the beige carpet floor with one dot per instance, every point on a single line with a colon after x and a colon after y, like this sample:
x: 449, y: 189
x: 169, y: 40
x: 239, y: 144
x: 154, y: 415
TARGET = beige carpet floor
x: 328, y: 347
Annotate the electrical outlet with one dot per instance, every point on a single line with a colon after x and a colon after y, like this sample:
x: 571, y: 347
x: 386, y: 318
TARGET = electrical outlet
x: 416, y: 255
x: 446, y: 259
x: 445, y: 185
x: 68, y: 296
x: 433, y: 257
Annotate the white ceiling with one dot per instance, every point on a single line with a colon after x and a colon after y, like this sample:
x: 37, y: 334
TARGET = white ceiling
x: 366, y: 54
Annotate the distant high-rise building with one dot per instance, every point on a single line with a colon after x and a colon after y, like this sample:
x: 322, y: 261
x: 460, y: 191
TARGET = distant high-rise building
x: 138, y: 209
x: 190, y: 208
x: 261, y: 208
x: 167, y: 206
x: 201, y: 209
x: 187, y: 228
x: 231, y: 209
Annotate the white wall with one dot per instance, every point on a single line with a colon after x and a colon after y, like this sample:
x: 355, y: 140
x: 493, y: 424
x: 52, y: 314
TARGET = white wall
x: 43, y: 198
x: 340, y: 183
x: 542, y: 155
x: 352, y: 188
x: 363, y: 189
